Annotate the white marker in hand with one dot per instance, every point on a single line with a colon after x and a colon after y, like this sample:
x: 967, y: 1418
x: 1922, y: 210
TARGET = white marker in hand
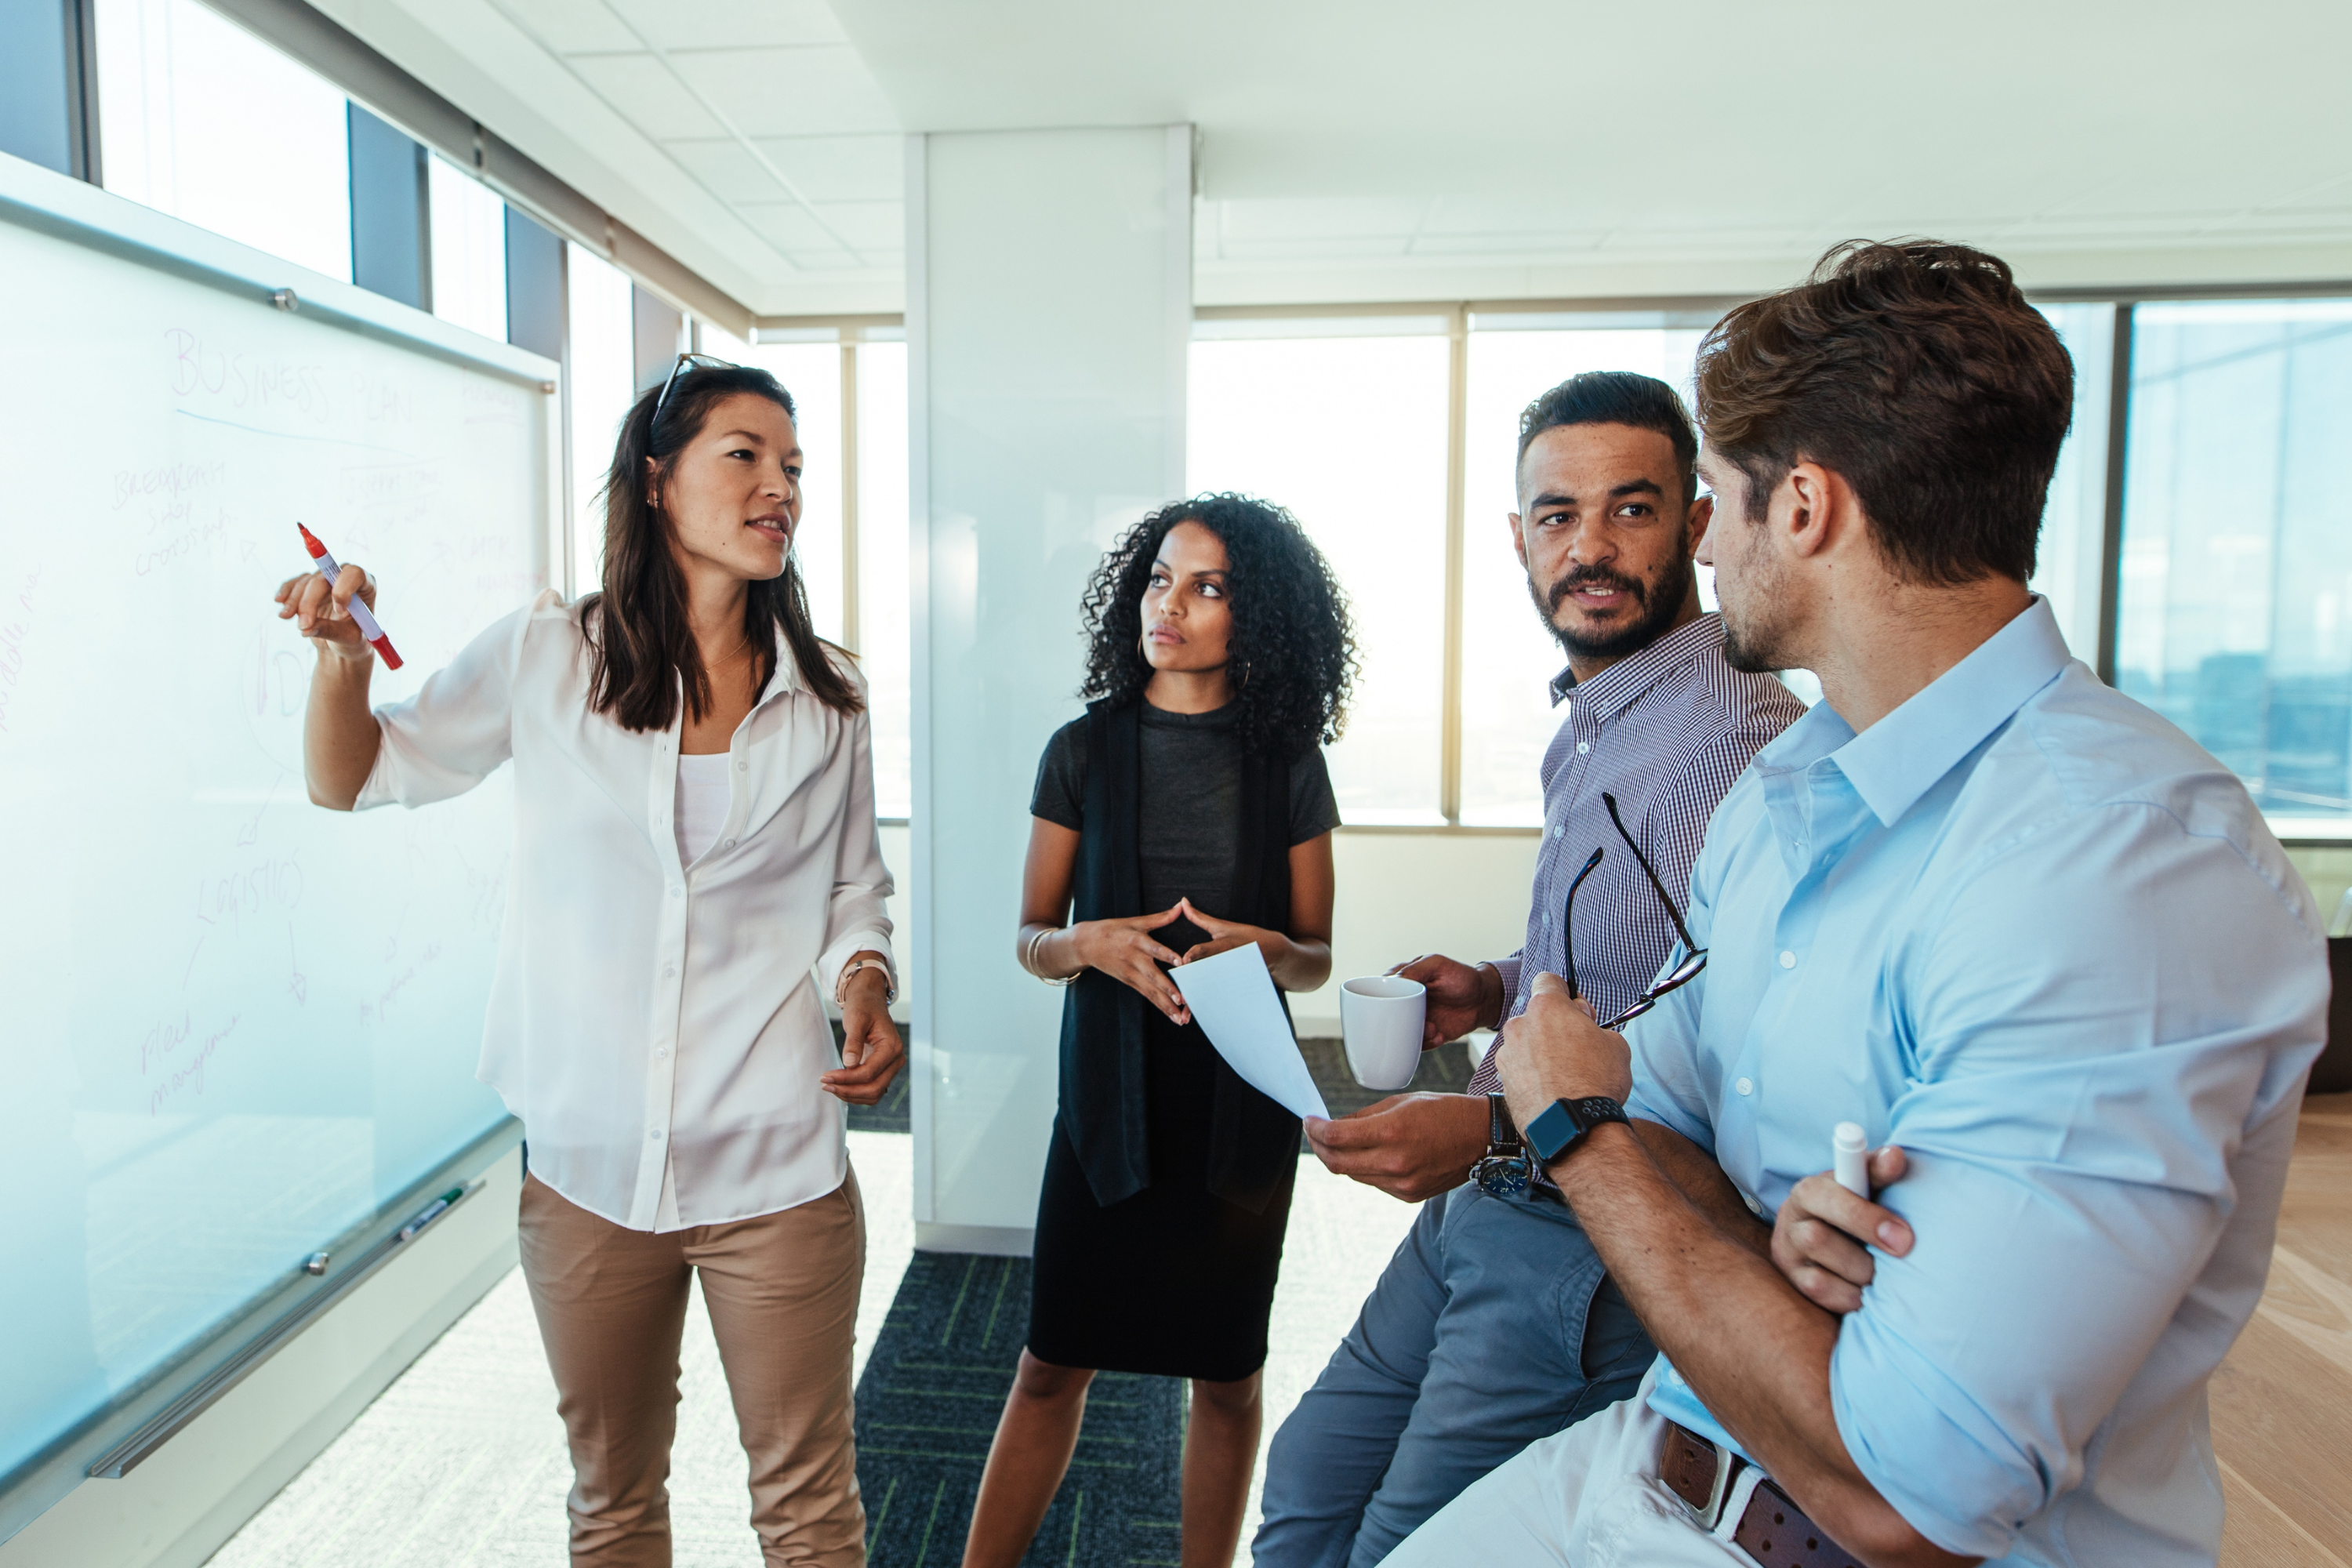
x: 1850, y: 1155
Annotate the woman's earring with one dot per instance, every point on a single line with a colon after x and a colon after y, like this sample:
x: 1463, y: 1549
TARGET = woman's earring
x: 1245, y: 675
x: 1142, y: 652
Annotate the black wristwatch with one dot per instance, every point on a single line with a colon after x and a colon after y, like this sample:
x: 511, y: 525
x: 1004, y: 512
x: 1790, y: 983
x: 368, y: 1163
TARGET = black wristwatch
x: 1505, y: 1170
x: 1558, y: 1126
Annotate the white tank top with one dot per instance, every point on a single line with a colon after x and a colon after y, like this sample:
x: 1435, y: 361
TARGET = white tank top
x: 702, y: 801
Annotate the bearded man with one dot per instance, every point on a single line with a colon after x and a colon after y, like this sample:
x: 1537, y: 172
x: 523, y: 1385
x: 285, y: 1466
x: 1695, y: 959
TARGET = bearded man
x: 1494, y: 1324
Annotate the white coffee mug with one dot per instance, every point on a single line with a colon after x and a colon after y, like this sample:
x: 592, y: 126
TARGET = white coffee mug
x: 1381, y: 1017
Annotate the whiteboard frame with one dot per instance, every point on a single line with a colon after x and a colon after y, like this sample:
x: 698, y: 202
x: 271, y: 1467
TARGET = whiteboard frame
x: 45, y: 202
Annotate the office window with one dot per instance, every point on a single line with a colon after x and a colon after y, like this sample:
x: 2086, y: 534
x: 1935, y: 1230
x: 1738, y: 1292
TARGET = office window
x: 884, y: 641
x: 199, y: 119
x: 2074, y: 524
x: 1350, y: 433
x: 1508, y: 655
x: 603, y: 330
x: 811, y: 373
x: 2235, y: 614
x: 469, y: 250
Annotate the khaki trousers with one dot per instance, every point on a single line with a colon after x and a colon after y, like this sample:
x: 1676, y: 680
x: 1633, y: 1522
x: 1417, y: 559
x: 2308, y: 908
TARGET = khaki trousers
x: 782, y: 1294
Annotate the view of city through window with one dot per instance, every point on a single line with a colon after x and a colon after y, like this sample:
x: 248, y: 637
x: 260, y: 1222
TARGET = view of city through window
x: 2235, y: 617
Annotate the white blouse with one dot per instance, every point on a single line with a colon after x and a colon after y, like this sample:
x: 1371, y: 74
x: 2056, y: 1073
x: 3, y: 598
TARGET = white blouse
x: 655, y: 1016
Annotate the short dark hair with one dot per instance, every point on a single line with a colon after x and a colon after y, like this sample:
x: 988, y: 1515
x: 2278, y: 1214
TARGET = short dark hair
x: 1917, y: 370
x: 1617, y: 397
x: 1291, y: 642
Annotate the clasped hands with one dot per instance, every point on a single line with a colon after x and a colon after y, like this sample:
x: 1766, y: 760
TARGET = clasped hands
x: 1126, y: 950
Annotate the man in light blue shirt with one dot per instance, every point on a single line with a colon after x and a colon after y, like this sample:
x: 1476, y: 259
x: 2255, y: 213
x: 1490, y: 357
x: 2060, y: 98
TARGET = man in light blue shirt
x: 2012, y: 923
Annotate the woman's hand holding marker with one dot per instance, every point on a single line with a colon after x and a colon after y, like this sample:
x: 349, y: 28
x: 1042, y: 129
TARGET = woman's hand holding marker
x: 334, y: 607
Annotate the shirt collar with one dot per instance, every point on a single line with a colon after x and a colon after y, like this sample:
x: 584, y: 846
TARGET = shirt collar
x: 1612, y: 690
x: 1900, y: 758
x: 787, y: 678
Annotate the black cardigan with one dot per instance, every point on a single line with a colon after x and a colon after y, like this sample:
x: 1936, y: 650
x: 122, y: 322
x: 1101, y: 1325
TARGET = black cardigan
x: 1102, y: 1110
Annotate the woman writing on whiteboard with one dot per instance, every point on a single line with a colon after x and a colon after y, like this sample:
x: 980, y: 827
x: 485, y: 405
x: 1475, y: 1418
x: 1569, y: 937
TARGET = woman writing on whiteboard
x: 1187, y: 813
x: 694, y: 836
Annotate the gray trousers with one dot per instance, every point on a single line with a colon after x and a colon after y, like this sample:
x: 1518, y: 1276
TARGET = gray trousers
x: 1493, y: 1326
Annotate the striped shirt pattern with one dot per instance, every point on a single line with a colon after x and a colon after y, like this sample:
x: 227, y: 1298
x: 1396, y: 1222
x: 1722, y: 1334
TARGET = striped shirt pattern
x: 1665, y: 730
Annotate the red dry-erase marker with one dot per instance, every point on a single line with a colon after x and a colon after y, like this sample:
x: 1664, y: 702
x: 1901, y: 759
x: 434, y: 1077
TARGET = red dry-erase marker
x: 360, y: 614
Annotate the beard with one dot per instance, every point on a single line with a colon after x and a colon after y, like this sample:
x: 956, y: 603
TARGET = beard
x: 1656, y: 606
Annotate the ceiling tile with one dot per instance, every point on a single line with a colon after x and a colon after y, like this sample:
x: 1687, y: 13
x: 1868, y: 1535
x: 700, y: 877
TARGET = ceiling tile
x: 729, y: 23
x: 875, y: 230
x: 842, y: 168
x: 727, y: 168
x: 821, y: 168
x: 1251, y: 220
x: 647, y: 95
x: 789, y: 93
x: 570, y: 27
x: 1316, y: 249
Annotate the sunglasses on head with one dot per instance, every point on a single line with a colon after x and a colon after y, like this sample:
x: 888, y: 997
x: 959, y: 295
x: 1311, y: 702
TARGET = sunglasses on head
x: 701, y: 361
x: 1684, y: 971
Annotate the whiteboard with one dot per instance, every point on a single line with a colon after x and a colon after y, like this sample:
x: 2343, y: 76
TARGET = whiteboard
x: 234, y: 1023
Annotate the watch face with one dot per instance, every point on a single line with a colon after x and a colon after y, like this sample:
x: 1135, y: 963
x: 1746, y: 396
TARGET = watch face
x: 1503, y: 1175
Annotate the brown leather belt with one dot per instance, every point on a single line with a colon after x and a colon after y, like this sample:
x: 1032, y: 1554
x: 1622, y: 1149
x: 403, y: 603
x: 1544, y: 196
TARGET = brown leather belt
x: 1772, y: 1530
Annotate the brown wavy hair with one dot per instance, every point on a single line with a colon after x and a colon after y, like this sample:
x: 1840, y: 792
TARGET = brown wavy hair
x: 640, y: 641
x: 1917, y: 371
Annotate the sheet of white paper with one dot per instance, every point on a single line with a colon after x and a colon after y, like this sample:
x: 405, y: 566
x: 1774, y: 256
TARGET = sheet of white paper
x: 1233, y: 999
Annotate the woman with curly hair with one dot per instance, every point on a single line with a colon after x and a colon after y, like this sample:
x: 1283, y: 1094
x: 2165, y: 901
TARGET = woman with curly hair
x: 1187, y: 813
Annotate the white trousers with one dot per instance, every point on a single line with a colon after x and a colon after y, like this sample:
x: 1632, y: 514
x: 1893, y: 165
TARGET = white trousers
x: 1589, y: 1497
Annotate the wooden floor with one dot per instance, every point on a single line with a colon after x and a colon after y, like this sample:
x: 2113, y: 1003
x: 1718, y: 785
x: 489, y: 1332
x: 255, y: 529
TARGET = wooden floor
x: 2283, y: 1402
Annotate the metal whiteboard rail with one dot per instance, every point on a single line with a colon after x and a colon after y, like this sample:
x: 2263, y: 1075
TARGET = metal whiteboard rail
x: 160, y: 1428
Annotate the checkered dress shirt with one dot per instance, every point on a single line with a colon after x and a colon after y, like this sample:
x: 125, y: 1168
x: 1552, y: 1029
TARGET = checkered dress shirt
x: 1665, y: 730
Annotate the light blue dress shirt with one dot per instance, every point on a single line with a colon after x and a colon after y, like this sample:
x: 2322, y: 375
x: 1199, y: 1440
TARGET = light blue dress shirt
x: 2029, y: 931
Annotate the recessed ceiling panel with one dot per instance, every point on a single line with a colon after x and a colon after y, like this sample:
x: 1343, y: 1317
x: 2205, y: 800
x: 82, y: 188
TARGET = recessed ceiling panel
x: 788, y: 91
x: 645, y: 92
x: 736, y: 24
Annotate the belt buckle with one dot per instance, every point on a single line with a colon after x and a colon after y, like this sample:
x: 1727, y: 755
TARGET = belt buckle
x: 1726, y: 1467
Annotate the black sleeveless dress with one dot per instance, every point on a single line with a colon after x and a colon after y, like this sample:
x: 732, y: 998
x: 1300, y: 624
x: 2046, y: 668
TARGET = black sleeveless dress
x: 1168, y: 1183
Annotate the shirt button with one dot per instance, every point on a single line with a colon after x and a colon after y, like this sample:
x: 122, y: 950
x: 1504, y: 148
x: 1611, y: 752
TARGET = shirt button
x: 726, y: 844
x: 1584, y: 746
x: 1788, y: 959
x: 1799, y: 846
x: 1746, y: 1086
x: 668, y: 969
x: 677, y: 893
x: 742, y: 767
x: 661, y: 1052
x: 1560, y: 833
x: 653, y: 1135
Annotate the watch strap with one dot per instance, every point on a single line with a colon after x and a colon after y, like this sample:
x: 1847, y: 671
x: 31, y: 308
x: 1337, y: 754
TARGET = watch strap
x: 1502, y: 1134
x: 1563, y: 1123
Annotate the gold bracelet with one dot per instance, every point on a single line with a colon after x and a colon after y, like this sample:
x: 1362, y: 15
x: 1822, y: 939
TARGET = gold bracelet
x: 1029, y: 957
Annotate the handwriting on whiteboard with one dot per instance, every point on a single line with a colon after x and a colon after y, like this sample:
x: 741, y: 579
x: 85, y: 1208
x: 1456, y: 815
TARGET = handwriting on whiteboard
x: 197, y: 368
x: 13, y: 630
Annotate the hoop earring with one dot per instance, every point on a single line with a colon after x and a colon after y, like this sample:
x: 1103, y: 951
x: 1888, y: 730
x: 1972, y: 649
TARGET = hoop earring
x: 1245, y: 675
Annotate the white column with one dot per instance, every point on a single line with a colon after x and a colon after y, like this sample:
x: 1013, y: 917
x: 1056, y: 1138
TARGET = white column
x: 1049, y: 303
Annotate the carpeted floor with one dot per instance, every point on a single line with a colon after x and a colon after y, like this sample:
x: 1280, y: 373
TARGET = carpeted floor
x: 460, y: 1464
x: 927, y: 1406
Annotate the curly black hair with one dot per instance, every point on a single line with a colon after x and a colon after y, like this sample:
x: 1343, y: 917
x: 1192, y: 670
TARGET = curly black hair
x: 1293, y: 648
